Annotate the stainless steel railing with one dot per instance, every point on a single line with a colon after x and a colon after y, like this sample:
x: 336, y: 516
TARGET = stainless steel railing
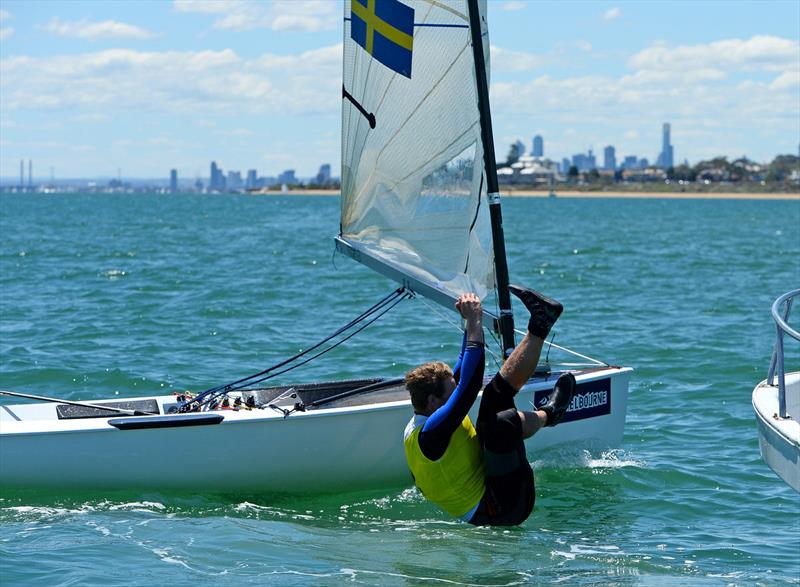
x: 783, y: 303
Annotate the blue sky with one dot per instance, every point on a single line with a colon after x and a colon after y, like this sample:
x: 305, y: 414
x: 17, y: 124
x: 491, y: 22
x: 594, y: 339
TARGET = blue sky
x: 91, y: 87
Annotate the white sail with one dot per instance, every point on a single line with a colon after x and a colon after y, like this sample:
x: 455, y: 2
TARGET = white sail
x: 413, y: 185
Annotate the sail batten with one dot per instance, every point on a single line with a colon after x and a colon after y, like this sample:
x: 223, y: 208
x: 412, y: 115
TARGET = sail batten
x: 413, y: 176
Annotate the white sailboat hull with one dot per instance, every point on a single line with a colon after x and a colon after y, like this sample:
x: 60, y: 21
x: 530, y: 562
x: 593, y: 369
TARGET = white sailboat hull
x: 318, y: 451
x: 779, y: 438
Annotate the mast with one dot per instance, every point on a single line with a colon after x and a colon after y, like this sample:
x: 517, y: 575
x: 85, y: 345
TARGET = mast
x: 506, y: 320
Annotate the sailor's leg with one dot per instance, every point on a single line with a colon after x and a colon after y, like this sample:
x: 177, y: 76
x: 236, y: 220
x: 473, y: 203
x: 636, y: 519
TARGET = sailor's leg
x: 519, y: 367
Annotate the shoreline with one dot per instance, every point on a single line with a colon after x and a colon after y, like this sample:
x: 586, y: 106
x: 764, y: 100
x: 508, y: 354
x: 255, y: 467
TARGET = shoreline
x: 579, y: 194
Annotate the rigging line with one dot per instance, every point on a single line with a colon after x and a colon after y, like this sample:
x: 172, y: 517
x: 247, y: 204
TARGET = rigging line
x: 550, y: 347
x: 405, y: 295
x: 364, y: 315
x: 495, y: 357
x: 337, y: 343
x: 566, y: 350
x: 475, y: 218
x: 334, y: 345
x: 248, y: 384
x: 432, y: 25
x: 347, y: 326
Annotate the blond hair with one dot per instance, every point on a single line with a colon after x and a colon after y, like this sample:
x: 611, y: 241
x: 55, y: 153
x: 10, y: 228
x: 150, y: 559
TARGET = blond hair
x: 425, y: 380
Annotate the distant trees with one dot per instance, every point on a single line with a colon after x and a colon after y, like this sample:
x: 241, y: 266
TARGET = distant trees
x: 782, y: 167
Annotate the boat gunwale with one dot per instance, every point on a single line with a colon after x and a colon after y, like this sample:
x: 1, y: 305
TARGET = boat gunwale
x: 79, y: 425
x: 787, y: 428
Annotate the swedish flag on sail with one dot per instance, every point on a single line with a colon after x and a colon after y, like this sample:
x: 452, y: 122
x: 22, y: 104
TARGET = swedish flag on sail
x: 385, y: 28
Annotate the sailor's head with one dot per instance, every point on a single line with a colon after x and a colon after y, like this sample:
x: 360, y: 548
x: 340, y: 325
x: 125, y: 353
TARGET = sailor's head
x: 429, y: 386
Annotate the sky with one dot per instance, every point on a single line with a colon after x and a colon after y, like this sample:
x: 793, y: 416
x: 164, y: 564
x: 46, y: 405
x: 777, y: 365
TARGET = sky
x: 93, y: 89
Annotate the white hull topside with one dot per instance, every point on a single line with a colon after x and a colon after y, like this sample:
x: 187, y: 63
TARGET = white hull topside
x: 779, y: 438
x: 323, y: 450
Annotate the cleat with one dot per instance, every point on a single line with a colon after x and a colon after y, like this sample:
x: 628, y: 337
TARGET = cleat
x: 544, y: 311
x: 558, y: 401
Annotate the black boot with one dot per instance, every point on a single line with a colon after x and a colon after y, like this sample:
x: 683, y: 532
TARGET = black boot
x: 544, y: 311
x: 558, y: 401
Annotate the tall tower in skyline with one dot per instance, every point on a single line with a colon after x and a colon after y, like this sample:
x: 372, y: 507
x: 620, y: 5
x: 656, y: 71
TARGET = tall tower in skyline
x: 173, y: 180
x: 30, y: 173
x: 609, y: 158
x: 538, y: 146
x: 666, y: 158
x: 214, y: 180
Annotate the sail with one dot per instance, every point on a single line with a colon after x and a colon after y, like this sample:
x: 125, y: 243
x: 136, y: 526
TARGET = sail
x: 413, y: 182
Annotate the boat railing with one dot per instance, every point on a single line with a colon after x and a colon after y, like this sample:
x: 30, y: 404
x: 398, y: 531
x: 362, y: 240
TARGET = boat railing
x: 780, y: 313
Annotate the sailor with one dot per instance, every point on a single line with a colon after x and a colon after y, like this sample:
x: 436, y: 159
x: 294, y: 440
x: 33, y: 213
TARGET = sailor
x: 480, y: 473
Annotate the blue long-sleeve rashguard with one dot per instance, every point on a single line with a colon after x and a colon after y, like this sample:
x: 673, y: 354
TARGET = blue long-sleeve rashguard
x: 439, y: 427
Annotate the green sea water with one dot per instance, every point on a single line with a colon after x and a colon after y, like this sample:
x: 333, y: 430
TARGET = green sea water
x: 131, y: 295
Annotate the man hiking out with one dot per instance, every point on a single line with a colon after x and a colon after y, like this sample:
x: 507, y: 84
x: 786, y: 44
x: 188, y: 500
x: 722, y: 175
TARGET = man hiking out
x: 480, y: 473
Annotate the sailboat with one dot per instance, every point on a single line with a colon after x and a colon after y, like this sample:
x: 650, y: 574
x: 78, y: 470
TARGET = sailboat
x: 420, y: 204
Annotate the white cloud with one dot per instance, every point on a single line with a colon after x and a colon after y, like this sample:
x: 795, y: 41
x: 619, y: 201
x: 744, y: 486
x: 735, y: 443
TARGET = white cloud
x: 612, y: 13
x: 279, y: 15
x: 6, y: 32
x: 107, y: 29
x: 506, y: 60
x: 5, y: 15
x: 789, y: 80
x: 514, y: 5
x: 188, y: 82
x: 765, y: 53
x: 733, y: 90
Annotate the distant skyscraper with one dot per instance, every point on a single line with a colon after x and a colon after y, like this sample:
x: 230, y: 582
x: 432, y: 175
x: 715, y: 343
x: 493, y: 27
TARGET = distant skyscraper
x: 235, y: 180
x: 538, y: 146
x: 609, y: 158
x: 666, y: 157
x: 173, y: 180
x: 21, y: 173
x: 252, y: 179
x: 287, y: 177
x: 215, y: 181
x: 324, y: 174
x: 30, y: 173
x: 565, y: 165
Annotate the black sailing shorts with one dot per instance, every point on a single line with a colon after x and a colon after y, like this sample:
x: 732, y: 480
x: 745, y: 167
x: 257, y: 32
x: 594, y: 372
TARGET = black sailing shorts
x: 510, y: 489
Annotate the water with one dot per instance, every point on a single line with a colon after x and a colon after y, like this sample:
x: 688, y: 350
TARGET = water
x: 142, y: 294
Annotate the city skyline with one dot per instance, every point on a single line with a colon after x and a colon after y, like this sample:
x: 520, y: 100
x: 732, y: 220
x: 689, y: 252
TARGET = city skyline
x: 91, y: 88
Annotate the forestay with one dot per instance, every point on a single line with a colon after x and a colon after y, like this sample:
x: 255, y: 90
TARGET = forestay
x: 413, y: 186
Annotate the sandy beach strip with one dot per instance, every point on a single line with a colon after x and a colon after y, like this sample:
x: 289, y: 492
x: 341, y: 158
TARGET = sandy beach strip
x: 578, y: 194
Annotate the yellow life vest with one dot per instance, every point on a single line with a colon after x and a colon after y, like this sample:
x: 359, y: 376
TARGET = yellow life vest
x: 455, y: 482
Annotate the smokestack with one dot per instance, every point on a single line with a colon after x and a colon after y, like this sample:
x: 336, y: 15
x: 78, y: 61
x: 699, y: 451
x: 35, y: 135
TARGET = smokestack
x: 30, y: 173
